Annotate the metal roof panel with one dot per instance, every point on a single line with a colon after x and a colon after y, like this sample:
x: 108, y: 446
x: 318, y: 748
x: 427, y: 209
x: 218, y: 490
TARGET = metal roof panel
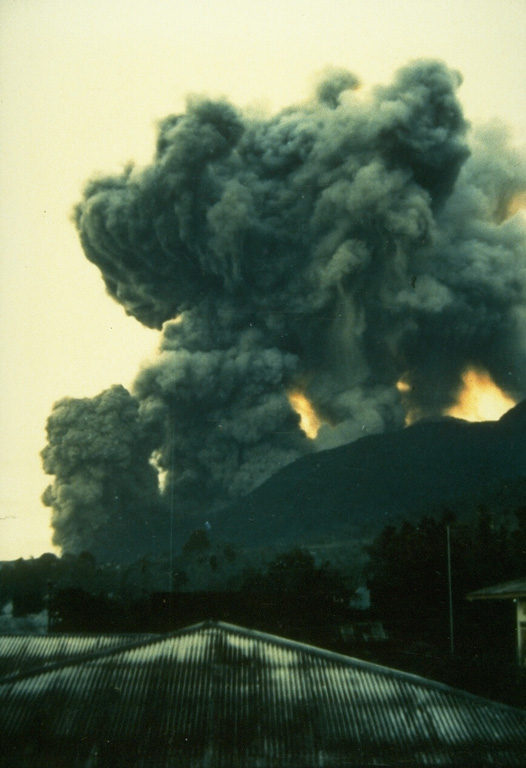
x: 232, y: 696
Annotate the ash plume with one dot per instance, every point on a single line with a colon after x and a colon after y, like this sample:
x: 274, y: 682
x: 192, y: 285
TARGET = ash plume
x: 105, y: 491
x: 334, y: 248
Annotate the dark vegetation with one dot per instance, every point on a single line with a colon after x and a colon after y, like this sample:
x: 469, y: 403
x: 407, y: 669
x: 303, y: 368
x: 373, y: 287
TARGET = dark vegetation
x: 290, y: 595
x: 409, y: 587
x: 296, y: 595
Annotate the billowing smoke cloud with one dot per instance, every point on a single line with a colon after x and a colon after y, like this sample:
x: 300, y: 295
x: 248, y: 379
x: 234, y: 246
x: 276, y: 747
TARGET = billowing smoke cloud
x: 105, y: 497
x: 333, y: 248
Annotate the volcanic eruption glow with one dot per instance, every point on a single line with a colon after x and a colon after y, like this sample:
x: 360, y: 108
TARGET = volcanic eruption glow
x: 480, y: 399
x: 309, y: 420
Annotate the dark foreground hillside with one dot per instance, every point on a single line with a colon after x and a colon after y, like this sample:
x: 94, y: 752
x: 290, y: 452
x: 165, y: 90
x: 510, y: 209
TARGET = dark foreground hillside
x: 356, y: 489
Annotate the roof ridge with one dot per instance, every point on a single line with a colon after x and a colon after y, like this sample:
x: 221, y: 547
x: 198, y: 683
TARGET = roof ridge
x: 148, y: 639
x: 349, y: 661
x: 504, y: 590
x: 361, y: 663
x: 78, y: 657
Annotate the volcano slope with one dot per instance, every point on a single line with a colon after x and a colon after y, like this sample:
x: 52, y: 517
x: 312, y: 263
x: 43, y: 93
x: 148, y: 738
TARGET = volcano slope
x: 354, y: 490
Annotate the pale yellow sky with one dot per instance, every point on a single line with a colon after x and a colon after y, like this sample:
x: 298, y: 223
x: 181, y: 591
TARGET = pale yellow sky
x: 82, y: 83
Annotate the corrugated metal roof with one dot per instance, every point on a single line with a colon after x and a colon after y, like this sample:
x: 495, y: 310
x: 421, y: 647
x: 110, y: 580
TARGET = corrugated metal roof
x: 219, y: 695
x: 23, y: 653
x: 506, y: 591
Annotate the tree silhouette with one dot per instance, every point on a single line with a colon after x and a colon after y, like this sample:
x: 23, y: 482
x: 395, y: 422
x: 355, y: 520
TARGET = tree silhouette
x: 407, y: 574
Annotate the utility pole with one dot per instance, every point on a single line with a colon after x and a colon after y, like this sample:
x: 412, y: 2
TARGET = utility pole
x: 449, y: 580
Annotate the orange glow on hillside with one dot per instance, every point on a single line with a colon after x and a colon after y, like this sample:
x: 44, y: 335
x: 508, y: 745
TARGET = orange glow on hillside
x: 480, y: 399
x: 309, y: 420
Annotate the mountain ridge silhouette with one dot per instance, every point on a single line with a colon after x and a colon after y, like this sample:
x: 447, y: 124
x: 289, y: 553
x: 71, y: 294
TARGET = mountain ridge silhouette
x: 356, y: 489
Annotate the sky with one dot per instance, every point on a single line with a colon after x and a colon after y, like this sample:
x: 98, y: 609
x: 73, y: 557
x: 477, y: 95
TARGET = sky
x: 82, y: 86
